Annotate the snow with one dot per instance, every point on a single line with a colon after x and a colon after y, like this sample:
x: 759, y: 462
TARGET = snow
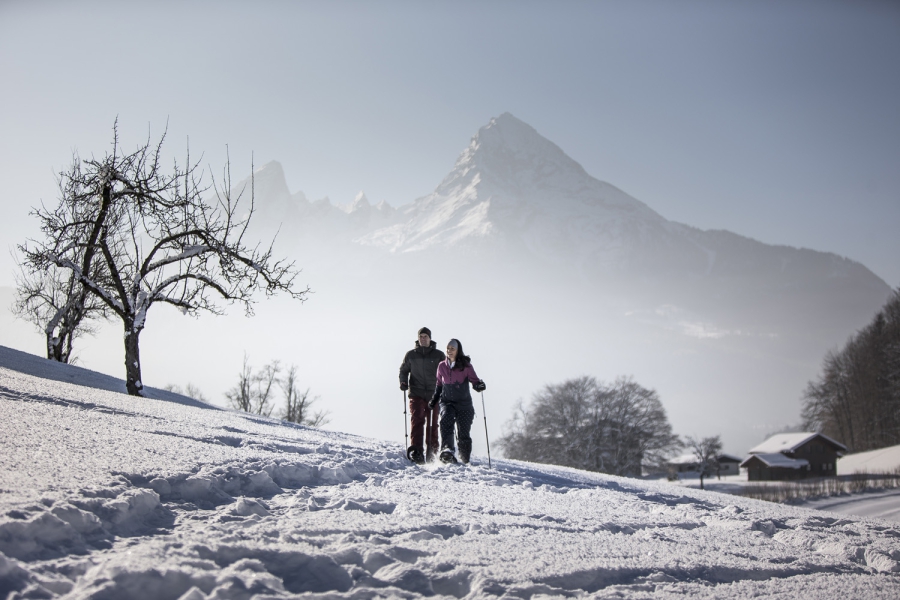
x: 884, y: 504
x: 684, y: 459
x: 883, y: 460
x: 788, y: 442
x: 777, y: 459
x: 108, y: 496
x: 511, y: 179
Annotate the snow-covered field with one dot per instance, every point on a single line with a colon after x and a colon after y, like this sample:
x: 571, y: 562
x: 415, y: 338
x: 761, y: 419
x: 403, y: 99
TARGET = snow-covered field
x: 107, y: 496
x: 882, y: 504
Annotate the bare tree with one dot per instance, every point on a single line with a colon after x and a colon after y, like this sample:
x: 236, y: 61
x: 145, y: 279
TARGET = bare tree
x: 637, y: 431
x: 856, y: 399
x: 706, y: 451
x: 56, y: 302
x: 240, y: 396
x: 617, y: 428
x: 158, y: 240
x: 297, y: 404
x: 254, y: 391
x: 190, y: 390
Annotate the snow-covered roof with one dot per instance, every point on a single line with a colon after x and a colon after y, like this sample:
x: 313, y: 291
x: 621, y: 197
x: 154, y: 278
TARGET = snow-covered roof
x: 691, y: 459
x: 788, y: 442
x: 777, y: 459
x: 729, y: 458
x: 684, y: 459
x: 883, y: 460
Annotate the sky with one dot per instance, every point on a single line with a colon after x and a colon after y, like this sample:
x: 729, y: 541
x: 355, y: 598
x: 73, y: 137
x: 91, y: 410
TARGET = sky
x: 775, y: 120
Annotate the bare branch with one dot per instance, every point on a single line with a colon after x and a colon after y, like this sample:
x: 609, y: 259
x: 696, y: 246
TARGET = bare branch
x: 133, y: 235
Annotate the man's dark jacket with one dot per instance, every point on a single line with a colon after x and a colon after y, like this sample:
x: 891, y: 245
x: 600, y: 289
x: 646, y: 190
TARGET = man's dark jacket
x: 419, y: 368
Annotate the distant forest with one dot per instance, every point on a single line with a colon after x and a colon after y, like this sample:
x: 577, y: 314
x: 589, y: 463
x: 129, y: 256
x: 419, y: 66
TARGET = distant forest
x: 856, y: 398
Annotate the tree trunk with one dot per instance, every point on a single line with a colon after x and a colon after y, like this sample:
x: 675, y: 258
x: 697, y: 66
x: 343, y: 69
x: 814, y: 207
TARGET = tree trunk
x: 701, y: 480
x: 132, y: 360
x: 59, y: 347
x: 54, y: 348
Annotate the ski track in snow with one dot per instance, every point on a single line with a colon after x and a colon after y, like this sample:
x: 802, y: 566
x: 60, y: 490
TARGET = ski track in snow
x: 106, y: 496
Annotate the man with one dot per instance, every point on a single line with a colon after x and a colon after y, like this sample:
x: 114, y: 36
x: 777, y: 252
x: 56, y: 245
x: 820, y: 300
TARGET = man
x: 418, y: 375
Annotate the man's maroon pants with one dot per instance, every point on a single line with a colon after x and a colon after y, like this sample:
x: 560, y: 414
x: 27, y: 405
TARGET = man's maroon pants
x: 425, y: 424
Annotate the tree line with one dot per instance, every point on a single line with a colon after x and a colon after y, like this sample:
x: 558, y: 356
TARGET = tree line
x: 856, y: 397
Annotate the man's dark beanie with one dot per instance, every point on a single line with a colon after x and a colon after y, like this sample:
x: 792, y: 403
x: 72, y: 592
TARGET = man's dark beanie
x: 426, y: 331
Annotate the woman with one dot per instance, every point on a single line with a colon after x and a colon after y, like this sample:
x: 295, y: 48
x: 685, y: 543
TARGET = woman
x: 452, y: 390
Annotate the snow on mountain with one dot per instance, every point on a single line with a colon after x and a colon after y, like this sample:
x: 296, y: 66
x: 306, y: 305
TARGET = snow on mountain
x: 103, y: 495
x: 513, y: 195
x: 515, y: 185
x: 513, y: 189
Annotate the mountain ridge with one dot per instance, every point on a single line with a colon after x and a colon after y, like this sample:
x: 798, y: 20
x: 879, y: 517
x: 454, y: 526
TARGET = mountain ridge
x: 515, y: 197
x: 469, y: 204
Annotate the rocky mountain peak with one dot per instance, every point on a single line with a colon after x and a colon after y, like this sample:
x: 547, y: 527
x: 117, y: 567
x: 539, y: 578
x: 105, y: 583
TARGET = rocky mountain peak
x: 513, y: 154
x: 269, y: 181
x: 360, y: 202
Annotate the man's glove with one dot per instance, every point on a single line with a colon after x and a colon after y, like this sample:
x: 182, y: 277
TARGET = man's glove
x: 479, y: 386
x: 404, y: 386
x: 437, y: 396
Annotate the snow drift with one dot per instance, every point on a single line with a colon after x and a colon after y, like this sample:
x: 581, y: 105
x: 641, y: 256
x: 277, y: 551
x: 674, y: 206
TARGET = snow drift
x: 103, y: 495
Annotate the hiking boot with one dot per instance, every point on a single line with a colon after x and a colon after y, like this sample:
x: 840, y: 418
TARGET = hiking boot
x: 448, y: 458
x: 465, y: 450
x: 415, y: 455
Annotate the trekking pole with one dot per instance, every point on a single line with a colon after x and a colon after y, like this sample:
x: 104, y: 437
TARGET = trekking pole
x: 486, y: 440
x: 405, y: 426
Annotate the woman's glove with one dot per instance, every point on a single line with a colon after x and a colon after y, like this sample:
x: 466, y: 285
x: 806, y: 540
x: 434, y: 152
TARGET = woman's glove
x: 479, y: 386
x: 404, y: 386
x: 437, y: 396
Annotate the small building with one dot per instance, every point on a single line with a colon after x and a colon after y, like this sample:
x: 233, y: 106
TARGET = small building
x: 794, y: 456
x: 728, y: 465
x: 683, y: 464
x: 775, y: 467
x: 687, y: 463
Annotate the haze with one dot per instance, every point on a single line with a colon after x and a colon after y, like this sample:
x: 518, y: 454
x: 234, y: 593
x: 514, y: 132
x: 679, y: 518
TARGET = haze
x: 776, y: 121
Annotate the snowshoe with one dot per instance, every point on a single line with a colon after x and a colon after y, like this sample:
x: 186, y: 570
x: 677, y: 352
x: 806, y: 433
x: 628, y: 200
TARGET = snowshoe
x: 415, y: 455
x: 447, y: 458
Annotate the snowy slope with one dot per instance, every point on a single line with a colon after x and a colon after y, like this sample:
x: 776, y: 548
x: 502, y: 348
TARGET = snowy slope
x: 883, y: 504
x: 107, y: 496
x: 883, y: 460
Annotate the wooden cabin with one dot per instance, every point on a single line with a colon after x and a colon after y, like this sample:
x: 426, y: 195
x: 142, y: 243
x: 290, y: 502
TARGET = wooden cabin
x: 794, y: 456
